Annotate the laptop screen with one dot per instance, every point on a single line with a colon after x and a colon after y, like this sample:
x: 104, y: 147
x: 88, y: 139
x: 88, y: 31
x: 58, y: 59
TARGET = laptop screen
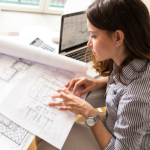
x: 74, y: 32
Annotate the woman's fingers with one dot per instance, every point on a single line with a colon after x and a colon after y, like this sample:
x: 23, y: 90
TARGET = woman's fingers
x: 55, y: 103
x: 63, y: 96
x: 83, y: 92
x: 58, y: 103
x: 67, y: 84
x: 71, y: 102
x: 66, y: 91
x: 77, y: 84
x: 72, y: 83
x: 65, y: 108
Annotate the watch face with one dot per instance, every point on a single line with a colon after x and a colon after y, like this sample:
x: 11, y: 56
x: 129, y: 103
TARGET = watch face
x: 90, y: 122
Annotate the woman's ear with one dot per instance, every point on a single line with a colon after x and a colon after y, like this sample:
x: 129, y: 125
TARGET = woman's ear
x: 119, y: 37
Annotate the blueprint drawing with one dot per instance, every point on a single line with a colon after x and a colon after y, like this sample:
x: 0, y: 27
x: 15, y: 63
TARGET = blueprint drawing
x: 12, y: 131
x: 47, y: 84
x: 39, y: 116
x: 12, y: 70
x: 48, y: 123
x: 24, y: 82
x: 13, y: 136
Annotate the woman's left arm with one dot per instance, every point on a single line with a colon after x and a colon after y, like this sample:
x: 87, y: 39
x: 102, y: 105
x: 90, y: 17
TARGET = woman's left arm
x: 79, y: 106
x: 131, y: 128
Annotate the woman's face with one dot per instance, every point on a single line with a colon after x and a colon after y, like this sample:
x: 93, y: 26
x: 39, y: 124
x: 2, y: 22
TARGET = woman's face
x: 103, y: 45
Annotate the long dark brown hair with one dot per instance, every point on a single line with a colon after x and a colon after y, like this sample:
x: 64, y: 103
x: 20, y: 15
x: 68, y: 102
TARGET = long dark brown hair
x: 129, y: 16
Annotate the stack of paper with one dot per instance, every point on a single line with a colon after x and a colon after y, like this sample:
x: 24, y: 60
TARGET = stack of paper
x: 28, y: 78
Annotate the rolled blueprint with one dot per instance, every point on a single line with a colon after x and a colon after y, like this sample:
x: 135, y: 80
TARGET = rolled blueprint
x: 35, y: 54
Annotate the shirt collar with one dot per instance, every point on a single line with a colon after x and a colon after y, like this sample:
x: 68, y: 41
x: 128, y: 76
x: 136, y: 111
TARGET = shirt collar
x: 130, y: 72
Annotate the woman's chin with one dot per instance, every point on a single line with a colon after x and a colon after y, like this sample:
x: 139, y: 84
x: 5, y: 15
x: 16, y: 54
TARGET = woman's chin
x: 99, y: 59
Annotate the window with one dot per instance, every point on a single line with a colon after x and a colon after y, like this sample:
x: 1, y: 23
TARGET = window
x: 41, y: 6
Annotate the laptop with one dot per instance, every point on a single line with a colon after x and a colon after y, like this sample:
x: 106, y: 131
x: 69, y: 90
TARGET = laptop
x: 74, y: 36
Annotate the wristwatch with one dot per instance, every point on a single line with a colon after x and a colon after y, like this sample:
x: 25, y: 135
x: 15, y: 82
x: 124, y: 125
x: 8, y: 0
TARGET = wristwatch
x: 91, y: 121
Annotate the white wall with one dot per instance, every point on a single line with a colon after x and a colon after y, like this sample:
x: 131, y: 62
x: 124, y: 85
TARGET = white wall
x: 147, y: 2
x: 72, y: 6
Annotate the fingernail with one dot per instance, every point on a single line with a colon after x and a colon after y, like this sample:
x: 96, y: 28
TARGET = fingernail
x: 49, y: 103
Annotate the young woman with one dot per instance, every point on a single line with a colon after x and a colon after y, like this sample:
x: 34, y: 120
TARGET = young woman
x: 120, y: 41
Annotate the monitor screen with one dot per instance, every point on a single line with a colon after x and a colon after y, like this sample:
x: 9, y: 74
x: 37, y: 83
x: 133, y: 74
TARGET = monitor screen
x: 74, y: 31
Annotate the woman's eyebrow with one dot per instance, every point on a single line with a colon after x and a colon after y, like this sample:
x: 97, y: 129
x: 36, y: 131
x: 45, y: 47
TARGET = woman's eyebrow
x: 92, y: 31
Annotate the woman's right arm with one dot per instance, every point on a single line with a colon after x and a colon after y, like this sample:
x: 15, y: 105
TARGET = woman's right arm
x: 90, y: 85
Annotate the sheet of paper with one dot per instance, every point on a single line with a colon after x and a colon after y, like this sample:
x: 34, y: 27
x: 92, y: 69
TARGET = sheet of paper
x: 12, y: 136
x: 12, y: 70
x: 37, y: 86
x: 21, y: 50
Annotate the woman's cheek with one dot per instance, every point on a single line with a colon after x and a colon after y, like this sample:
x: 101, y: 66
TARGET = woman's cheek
x: 96, y: 44
x: 96, y: 47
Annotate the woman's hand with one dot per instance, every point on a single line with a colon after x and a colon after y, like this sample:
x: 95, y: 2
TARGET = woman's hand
x: 73, y: 104
x: 89, y: 85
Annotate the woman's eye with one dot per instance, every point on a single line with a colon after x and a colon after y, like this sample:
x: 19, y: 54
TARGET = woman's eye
x: 93, y: 37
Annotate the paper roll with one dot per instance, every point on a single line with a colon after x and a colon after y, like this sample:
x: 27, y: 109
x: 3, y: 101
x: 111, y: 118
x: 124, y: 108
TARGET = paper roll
x: 35, y: 54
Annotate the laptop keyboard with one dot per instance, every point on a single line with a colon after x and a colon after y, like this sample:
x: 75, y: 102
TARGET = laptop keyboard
x: 80, y: 55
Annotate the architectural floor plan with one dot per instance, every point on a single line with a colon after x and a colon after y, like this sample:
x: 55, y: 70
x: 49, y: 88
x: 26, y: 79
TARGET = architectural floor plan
x: 12, y: 70
x: 13, y: 136
x: 25, y: 90
x: 41, y: 116
x: 12, y: 130
x: 29, y: 108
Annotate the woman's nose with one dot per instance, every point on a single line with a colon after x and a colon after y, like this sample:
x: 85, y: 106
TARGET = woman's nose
x: 90, y: 44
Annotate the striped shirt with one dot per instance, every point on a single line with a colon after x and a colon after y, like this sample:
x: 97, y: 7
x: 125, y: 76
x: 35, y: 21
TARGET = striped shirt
x: 128, y: 107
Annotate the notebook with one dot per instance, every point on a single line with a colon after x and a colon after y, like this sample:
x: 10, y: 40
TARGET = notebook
x: 74, y: 36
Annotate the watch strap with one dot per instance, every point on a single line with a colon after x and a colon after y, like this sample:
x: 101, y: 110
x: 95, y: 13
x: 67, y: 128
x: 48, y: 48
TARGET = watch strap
x: 96, y: 118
